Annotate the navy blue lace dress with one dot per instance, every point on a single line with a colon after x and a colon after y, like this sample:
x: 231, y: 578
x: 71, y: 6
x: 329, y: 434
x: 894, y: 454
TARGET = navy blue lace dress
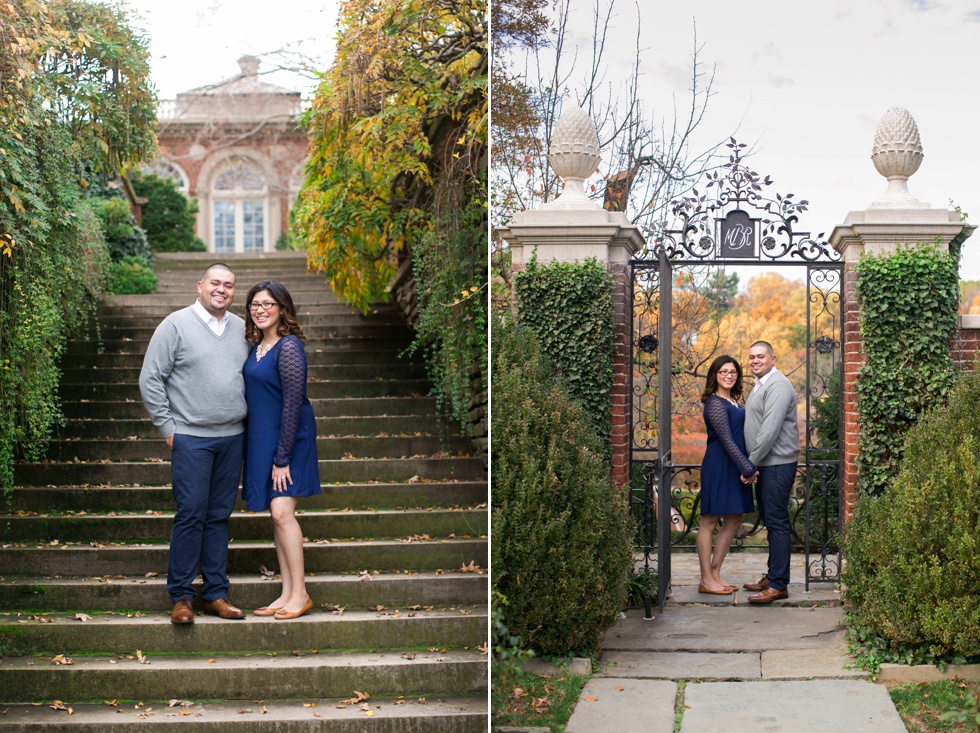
x: 725, y: 460
x: 281, y: 426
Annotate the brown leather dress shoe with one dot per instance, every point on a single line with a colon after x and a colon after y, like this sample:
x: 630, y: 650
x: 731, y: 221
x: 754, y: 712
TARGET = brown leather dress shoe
x: 769, y: 595
x: 762, y: 584
x: 182, y: 613
x: 222, y: 607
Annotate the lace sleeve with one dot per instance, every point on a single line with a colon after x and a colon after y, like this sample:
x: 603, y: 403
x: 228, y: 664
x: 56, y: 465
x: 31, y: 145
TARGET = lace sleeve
x: 291, y: 364
x: 716, y: 413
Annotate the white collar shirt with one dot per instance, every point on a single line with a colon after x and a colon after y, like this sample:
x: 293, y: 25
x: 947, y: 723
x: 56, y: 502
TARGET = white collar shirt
x: 765, y: 378
x: 210, y: 321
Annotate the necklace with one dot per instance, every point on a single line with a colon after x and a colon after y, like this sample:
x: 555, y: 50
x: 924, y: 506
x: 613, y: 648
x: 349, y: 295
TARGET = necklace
x: 261, y: 350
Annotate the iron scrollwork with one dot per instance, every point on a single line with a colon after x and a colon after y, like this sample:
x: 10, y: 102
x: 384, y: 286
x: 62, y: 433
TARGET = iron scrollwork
x: 737, y: 188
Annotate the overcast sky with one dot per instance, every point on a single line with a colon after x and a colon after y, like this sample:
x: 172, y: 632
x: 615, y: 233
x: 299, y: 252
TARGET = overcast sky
x: 198, y: 42
x: 807, y: 82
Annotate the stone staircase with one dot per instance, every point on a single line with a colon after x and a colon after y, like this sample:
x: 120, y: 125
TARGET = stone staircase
x: 396, y: 548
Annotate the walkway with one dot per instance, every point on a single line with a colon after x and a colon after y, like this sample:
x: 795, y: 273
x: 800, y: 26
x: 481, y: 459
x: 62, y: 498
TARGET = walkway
x: 779, y: 669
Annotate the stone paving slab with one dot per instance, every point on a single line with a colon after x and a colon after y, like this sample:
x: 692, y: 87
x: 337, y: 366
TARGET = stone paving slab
x: 815, y: 706
x: 819, y: 595
x: 728, y: 629
x: 785, y: 664
x: 681, y: 666
x: 641, y: 706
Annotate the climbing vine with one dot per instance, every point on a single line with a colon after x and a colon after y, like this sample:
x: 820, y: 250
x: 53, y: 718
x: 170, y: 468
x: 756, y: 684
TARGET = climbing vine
x: 397, y: 169
x: 74, y: 100
x: 404, y: 105
x: 569, y: 308
x: 909, y: 303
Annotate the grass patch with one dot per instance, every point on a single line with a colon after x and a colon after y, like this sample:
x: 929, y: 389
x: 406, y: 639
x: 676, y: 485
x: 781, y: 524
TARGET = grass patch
x: 922, y: 706
x: 679, y: 705
x: 542, y: 700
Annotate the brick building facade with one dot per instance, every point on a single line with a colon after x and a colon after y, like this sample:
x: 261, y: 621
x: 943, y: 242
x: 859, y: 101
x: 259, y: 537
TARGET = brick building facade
x: 237, y: 147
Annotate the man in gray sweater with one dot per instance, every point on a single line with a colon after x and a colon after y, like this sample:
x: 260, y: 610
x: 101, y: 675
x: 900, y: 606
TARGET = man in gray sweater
x: 192, y: 387
x: 772, y: 437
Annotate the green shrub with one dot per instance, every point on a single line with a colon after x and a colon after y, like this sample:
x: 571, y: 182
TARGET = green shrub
x: 561, y: 542
x: 913, y: 571
x: 123, y: 236
x: 168, y: 215
x: 131, y: 276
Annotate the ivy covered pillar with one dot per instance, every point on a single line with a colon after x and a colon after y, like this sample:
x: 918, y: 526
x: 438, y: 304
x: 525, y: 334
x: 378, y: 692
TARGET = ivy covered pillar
x: 573, y: 229
x: 896, y: 220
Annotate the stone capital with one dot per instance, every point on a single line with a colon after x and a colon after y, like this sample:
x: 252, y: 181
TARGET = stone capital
x: 563, y: 235
x: 882, y: 231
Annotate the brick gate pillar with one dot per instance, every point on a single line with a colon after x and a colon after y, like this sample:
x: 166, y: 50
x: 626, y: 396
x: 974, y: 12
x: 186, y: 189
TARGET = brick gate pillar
x: 573, y: 228
x: 894, y: 220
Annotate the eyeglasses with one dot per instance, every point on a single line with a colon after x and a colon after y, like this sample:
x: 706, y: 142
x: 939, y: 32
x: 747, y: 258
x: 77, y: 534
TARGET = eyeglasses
x: 266, y: 305
x: 728, y: 372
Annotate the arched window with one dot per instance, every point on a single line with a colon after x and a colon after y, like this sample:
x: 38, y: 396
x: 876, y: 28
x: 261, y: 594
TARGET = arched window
x: 239, y: 194
x: 168, y: 169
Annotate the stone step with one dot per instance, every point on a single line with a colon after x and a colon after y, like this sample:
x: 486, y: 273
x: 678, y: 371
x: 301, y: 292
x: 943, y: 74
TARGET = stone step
x: 323, y: 317
x: 315, y: 333
x: 389, y: 715
x: 154, y: 448
x: 246, y: 676
x: 377, y: 342
x: 327, y: 426
x: 156, y: 526
x: 353, y: 591
x: 315, y: 356
x: 81, y: 409
x: 246, y: 557
x: 334, y: 389
x: 152, y: 633
x: 83, y: 375
x: 335, y: 496
x: 331, y: 471
x: 167, y: 301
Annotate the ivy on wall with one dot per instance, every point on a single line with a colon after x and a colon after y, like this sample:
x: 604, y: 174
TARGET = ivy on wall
x: 569, y: 308
x: 909, y: 303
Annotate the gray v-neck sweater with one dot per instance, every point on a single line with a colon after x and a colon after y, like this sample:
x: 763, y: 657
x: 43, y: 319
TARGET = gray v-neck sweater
x: 191, y: 381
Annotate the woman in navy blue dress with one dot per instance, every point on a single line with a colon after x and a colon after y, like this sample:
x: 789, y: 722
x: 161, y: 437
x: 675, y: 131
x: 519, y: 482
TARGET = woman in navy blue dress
x: 280, y: 452
x: 724, y: 494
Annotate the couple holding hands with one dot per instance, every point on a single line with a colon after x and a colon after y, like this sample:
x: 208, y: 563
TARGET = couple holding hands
x: 758, y: 445
x: 204, y: 372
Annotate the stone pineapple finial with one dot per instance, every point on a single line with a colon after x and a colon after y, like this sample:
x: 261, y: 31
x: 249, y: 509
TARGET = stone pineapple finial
x: 574, y: 154
x: 897, y: 154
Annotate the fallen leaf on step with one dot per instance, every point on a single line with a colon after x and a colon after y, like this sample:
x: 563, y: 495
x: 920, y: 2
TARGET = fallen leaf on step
x: 408, y: 655
x: 619, y: 689
x: 358, y: 697
x: 142, y: 659
x: 58, y: 705
x: 590, y: 699
x: 82, y: 617
x: 62, y: 659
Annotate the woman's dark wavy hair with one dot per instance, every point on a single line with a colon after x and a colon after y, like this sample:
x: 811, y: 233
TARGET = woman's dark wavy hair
x: 288, y: 325
x: 711, y: 384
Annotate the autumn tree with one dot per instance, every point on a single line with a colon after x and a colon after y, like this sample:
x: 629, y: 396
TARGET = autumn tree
x: 76, y: 100
x: 397, y: 170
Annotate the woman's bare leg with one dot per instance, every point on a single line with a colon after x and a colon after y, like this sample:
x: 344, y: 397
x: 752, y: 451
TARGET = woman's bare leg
x: 729, y: 527
x: 706, y: 528
x: 289, y: 547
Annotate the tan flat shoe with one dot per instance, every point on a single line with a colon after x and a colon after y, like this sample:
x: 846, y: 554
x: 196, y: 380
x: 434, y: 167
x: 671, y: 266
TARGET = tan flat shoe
x: 282, y: 614
x: 266, y: 610
x: 726, y: 591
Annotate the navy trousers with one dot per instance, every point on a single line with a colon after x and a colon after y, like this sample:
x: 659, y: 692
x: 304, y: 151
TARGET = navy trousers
x: 206, y: 476
x: 772, y: 492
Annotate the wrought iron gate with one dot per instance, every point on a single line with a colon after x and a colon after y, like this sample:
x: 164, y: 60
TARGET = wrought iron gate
x: 734, y: 223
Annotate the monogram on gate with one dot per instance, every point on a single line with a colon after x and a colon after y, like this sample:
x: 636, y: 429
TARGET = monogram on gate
x: 737, y: 235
